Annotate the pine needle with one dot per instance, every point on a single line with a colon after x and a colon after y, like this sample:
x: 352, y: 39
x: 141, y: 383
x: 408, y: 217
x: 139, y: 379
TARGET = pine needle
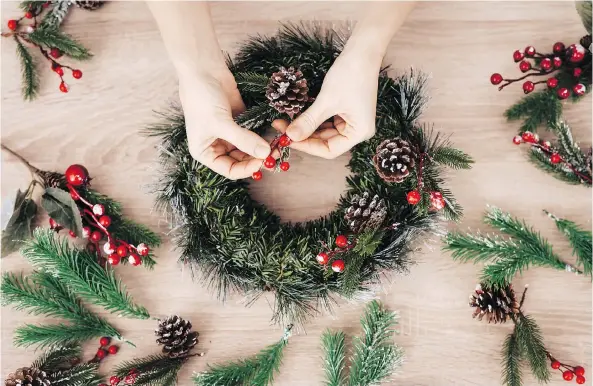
x: 530, y: 338
x: 536, y: 109
x: 30, y: 78
x: 50, y: 37
x: 512, y: 353
x: 153, y: 370
x: 334, y: 349
x: 580, y: 241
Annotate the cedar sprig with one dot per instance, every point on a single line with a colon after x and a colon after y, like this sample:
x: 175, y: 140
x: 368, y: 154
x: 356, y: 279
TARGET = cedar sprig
x: 580, y: 241
x: 81, y: 273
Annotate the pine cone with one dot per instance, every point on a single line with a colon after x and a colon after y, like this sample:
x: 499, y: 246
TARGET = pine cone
x: 287, y: 91
x: 176, y: 336
x: 393, y: 160
x: 365, y: 213
x: 52, y: 179
x: 89, y: 5
x: 589, y: 160
x: 494, y: 304
x: 28, y: 376
x: 586, y: 42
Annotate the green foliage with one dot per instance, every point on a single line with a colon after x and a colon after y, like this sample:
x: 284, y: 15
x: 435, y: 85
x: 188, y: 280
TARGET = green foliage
x: 258, y: 370
x: 51, y: 37
x: 512, y: 355
x: 536, y: 109
x: 18, y: 228
x: 580, y: 241
x: 584, y: 10
x: 532, y: 345
x: 154, y: 370
x: 335, y: 354
x: 81, y: 273
x: 30, y: 78
x: 56, y: 15
x: 60, y: 206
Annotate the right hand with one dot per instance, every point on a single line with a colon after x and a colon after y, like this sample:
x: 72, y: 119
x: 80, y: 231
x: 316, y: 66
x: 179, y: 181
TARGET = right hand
x: 209, y: 104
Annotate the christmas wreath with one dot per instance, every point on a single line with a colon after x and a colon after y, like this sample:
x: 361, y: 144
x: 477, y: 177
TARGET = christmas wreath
x: 395, y: 192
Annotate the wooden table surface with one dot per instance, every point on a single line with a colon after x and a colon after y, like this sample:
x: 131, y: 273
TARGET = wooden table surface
x: 460, y: 44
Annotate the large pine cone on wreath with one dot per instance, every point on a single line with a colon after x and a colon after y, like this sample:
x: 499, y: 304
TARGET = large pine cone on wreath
x: 287, y: 91
x: 28, y: 376
x: 89, y: 5
x: 394, y: 159
x: 365, y: 213
x: 175, y: 334
x: 494, y: 304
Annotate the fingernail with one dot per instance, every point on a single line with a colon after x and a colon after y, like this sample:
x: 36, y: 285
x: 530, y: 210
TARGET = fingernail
x: 262, y: 151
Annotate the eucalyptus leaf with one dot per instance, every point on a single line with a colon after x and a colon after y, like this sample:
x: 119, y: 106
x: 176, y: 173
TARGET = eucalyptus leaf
x: 61, y: 207
x: 18, y: 228
x: 584, y: 10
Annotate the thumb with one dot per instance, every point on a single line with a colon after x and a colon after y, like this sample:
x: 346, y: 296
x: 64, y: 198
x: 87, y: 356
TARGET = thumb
x: 245, y: 140
x: 306, y: 123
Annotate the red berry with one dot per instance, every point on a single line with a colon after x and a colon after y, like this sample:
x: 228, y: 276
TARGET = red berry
x: 98, y: 210
x: 322, y: 258
x: 437, y: 202
x: 555, y: 365
x: 130, y: 379
x: 63, y: 87
x: 557, y: 62
x: 577, y: 72
x: 284, y: 166
x: 579, y: 89
x: 413, y: 197
x: 122, y: 251
x: 552, y: 82
x: 72, y: 234
x: 528, y: 87
x: 546, y: 64
x: 338, y: 266
x: 12, y: 24
x: 104, y: 341
x: 576, y: 53
x: 108, y: 248
x: 563, y: 93
x: 114, y: 380
x: 96, y: 236
x: 555, y: 158
x: 530, y: 51
x: 29, y: 15
x: 55, y: 53
x: 341, y: 241
x: 579, y: 370
x: 257, y: 175
x: 113, y: 349
x: 567, y: 375
x: 284, y: 140
x: 76, y: 175
x: 517, y: 140
x: 76, y: 74
x: 558, y: 47
x: 525, y: 66
x: 580, y: 379
x: 105, y: 221
x: 517, y: 56
x: 142, y: 249
x: 101, y: 353
x: 528, y: 137
x: 270, y: 162
x: 546, y: 144
x: 53, y: 224
x: 496, y: 78
x: 134, y: 259
x: 57, y: 69
x: 113, y: 259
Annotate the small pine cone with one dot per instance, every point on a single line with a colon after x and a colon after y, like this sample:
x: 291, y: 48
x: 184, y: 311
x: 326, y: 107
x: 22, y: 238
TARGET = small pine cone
x: 365, y: 213
x: 586, y: 42
x: 287, y: 91
x: 494, y: 304
x: 589, y: 160
x: 28, y: 376
x: 89, y: 5
x: 52, y: 179
x: 175, y: 334
x: 393, y: 160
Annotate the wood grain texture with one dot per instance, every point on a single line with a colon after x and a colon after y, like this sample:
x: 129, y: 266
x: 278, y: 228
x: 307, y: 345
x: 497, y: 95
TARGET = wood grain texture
x: 460, y: 44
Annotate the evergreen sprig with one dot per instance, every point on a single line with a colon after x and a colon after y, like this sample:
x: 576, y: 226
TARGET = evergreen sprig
x: 56, y: 15
x: 541, y: 108
x: 580, y: 241
x: 153, y: 370
x: 79, y: 270
x: 512, y: 355
x: 334, y: 357
x: 50, y: 37
x: 530, y: 339
x: 30, y: 78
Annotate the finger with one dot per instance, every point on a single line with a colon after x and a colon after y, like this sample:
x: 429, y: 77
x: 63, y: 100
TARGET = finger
x: 239, y: 155
x: 233, y: 169
x: 306, y: 123
x: 325, y: 133
x: 325, y: 148
x: 280, y: 125
x: 236, y: 102
x: 245, y: 140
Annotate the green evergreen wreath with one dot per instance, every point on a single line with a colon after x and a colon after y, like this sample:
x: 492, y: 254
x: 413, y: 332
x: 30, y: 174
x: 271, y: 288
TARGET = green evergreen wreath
x: 239, y: 245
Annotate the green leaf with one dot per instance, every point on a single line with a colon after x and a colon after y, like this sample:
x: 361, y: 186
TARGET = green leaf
x: 50, y: 37
x: 61, y: 207
x: 584, y: 10
x: 18, y: 228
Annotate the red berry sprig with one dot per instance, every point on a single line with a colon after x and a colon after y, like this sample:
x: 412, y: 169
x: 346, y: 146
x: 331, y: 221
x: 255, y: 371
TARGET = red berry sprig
x: 104, y: 349
x: 342, y: 245
x: 568, y: 372
x: 129, y: 379
x: 281, y: 144
x: 562, y: 58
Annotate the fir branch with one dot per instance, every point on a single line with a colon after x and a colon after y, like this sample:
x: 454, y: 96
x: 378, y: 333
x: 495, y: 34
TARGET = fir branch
x: 30, y: 77
x: 50, y: 37
x: 57, y: 357
x: 54, y: 334
x: 335, y: 356
x: 80, y: 375
x: 56, y: 15
x: 366, y: 246
x: 81, y: 273
x: 375, y: 355
x: 153, y: 370
x: 580, y: 240
x: 559, y: 170
x: 532, y: 345
x: 512, y: 353
x: 536, y: 109
x: 252, y: 82
x: 451, y: 157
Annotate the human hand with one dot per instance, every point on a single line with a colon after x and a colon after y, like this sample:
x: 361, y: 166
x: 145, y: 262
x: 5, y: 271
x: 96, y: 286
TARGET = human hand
x: 209, y: 103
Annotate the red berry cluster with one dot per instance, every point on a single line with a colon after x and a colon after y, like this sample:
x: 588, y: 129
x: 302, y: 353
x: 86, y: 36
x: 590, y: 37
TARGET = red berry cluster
x: 546, y: 147
x: 437, y: 202
x: 568, y: 372
x: 22, y: 30
x: 129, y: 379
x: 342, y: 245
x: 568, y: 60
x: 98, y: 223
x: 280, y: 143
x: 105, y: 349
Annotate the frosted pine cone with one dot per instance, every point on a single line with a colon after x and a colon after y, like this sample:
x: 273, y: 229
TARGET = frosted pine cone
x: 494, y: 304
x: 89, y: 5
x: 287, y: 91
x: 28, y: 376
x: 365, y: 213
x: 175, y: 334
x: 394, y: 159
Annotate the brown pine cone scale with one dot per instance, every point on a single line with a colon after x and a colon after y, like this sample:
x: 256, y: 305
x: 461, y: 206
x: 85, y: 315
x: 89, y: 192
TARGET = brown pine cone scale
x: 89, y: 5
x: 28, y: 376
x: 287, y: 91
x: 365, y: 213
x: 175, y: 334
x: 494, y: 304
x: 394, y: 159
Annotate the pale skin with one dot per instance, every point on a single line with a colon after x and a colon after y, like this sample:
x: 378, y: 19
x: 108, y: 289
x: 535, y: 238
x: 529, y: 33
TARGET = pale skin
x: 210, y: 98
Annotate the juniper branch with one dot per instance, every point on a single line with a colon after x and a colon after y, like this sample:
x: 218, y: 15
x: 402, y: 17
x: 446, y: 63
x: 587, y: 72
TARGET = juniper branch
x: 334, y: 349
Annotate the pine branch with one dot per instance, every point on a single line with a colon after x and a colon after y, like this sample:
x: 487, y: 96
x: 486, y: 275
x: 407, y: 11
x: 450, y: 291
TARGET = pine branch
x: 30, y: 78
x: 80, y: 375
x: 559, y: 171
x: 530, y: 338
x: 54, y: 334
x: 153, y: 370
x: 81, y: 273
x: 375, y: 355
x: 580, y: 241
x: 50, y: 37
x: 57, y: 357
x: 366, y: 246
x: 512, y: 353
x: 451, y: 157
x: 536, y: 109
x: 56, y: 15
x: 335, y: 356
x: 252, y: 82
